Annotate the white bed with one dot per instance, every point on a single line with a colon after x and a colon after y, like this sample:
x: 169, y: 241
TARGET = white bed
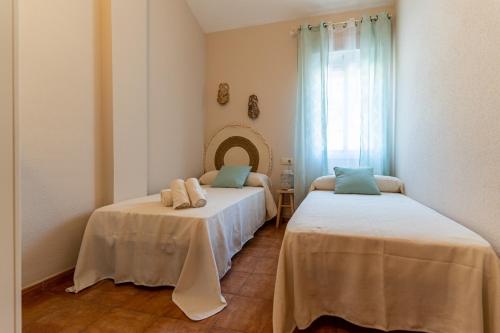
x: 144, y: 242
x: 384, y: 262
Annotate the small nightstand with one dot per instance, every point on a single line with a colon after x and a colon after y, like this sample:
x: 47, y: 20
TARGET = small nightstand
x: 281, y: 203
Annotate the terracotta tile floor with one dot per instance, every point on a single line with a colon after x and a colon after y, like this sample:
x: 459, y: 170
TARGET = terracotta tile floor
x: 248, y: 288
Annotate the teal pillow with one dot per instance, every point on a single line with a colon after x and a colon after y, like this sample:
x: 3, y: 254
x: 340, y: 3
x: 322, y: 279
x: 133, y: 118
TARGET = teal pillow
x: 232, y: 176
x: 355, y: 181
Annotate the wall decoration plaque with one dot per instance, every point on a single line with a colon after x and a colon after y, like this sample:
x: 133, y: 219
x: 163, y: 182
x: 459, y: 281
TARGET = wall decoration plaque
x: 253, y: 107
x: 223, y: 94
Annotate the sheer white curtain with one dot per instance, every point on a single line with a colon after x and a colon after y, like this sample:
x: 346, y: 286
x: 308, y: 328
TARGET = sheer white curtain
x: 344, y: 97
x: 360, y: 114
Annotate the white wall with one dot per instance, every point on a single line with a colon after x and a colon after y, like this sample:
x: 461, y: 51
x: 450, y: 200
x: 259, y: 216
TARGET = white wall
x: 176, y: 88
x: 84, y: 88
x: 158, y: 66
x: 448, y: 117
x: 7, y: 250
x: 58, y: 109
x: 130, y: 93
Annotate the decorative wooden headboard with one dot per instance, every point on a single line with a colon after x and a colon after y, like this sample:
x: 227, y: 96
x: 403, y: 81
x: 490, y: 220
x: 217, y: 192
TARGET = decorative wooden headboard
x: 238, y: 145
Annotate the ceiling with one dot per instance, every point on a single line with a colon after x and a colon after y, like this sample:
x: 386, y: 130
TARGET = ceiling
x: 217, y: 15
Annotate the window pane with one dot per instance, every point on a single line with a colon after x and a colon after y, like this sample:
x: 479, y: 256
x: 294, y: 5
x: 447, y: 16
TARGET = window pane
x: 344, y: 109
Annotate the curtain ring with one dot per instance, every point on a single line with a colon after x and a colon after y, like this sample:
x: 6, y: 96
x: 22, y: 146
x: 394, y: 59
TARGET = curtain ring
x: 325, y: 25
x: 309, y: 27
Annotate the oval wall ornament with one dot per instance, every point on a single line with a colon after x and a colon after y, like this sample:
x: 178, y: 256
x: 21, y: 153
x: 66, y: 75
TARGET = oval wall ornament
x: 238, y: 145
x: 237, y: 141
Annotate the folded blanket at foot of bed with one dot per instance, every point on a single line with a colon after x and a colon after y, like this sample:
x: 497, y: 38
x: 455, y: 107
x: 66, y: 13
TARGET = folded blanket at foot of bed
x: 196, y: 194
x: 180, y: 196
x: 166, y: 198
x: 187, y: 194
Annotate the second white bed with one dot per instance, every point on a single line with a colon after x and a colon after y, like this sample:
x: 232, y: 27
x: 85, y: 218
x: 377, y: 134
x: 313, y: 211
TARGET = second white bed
x: 385, y: 262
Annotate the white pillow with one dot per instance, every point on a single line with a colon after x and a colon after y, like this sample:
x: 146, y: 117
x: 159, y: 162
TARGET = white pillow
x: 325, y: 183
x: 390, y: 184
x: 384, y: 183
x: 254, y: 179
x: 208, y: 178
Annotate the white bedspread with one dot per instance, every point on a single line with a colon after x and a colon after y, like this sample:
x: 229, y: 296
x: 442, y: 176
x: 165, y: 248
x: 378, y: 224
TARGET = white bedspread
x: 144, y: 242
x: 384, y: 262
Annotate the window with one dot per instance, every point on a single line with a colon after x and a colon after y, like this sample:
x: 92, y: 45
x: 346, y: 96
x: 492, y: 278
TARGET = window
x: 344, y: 109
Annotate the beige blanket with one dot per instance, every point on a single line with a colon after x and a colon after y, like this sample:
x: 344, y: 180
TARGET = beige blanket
x: 144, y: 242
x: 384, y: 262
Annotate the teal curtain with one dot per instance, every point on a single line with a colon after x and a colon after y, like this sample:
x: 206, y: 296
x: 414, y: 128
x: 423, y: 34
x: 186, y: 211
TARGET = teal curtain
x: 377, y: 117
x: 311, y: 151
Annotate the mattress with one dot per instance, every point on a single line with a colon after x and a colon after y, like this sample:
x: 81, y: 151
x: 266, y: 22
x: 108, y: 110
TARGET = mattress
x: 144, y: 242
x: 384, y: 262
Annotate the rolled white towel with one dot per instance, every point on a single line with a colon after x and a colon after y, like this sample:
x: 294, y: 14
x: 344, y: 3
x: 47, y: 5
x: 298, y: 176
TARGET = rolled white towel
x: 166, y: 198
x: 180, y: 197
x: 196, y: 194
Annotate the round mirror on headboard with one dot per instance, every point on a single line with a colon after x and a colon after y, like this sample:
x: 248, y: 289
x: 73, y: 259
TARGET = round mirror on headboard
x: 238, y: 145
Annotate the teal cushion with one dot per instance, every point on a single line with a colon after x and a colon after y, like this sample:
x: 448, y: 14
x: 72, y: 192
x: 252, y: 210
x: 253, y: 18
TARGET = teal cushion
x: 232, y: 176
x: 355, y: 181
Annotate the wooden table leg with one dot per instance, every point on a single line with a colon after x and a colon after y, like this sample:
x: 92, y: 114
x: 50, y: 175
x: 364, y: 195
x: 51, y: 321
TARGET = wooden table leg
x: 279, y: 211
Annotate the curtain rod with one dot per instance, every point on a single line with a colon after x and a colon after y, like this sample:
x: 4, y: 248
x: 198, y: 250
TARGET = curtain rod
x: 333, y: 24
